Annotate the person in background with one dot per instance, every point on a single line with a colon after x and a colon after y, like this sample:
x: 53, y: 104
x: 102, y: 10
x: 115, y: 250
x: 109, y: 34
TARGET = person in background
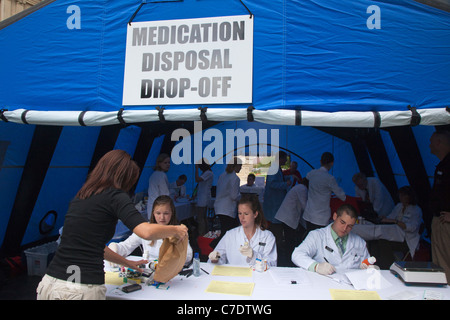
x: 249, y: 241
x: 408, y: 216
x: 373, y: 191
x: 76, y: 270
x: 250, y: 180
x: 158, y: 183
x: 177, y: 188
x: 290, y: 214
x: 275, y: 191
x: 321, y: 185
x: 163, y: 213
x: 204, y: 181
x: 439, y: 202
x: 276, y: 188
x: 227, y: 196
x: 294, y: 173
x: 333, y: 247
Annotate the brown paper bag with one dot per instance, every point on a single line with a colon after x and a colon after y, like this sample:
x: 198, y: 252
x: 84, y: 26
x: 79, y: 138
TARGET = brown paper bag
x: 172, y: 256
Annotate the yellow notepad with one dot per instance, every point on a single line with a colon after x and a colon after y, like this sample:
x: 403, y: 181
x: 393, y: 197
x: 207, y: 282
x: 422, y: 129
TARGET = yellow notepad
x: 232, y: 271
x: 227, y: 287
x: 340, y: 294
x: 113, y: 278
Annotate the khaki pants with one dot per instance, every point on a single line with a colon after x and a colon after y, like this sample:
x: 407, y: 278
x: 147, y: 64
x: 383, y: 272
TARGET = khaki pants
x: 55, y: 289
x: 440, y: 248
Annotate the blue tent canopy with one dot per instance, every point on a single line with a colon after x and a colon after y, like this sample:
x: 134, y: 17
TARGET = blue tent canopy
x: 318, y: 57
x: 349, y: 77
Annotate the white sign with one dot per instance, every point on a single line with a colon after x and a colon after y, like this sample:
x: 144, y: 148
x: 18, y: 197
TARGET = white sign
x: 192, y: 61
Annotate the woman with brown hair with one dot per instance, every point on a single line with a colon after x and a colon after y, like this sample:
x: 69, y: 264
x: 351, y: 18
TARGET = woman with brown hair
x: 76, y: 271
x: 248, y: 242
x: 164, y: 213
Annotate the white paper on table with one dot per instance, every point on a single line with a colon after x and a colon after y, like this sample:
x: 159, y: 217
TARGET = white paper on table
x: 368, y: 279
x: 289, y: 276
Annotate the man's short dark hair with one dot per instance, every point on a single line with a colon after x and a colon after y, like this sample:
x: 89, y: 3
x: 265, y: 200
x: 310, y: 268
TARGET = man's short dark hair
x: 348, y: 209
x: 326, y: 158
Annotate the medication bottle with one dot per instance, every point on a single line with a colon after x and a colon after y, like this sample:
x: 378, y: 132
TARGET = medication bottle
x: 146, y: 256
x: 196, y: 265
x: 369, y: 261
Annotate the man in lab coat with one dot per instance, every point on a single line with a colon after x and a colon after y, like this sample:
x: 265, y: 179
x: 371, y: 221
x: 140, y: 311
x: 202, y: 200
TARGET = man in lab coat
x: 373, y: 191
x: 290, y: 214
x: 321, y: 184
x: 333, y: 247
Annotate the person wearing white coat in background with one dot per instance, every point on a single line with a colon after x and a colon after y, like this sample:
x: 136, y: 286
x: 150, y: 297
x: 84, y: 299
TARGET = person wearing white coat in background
x: 321, y: 185
x: 322, y: 251
x: 158, y: 183
x: 371, y: 190
x: 290, y: 214
x: 248, y: 242
x: 204, y: 181
x: 407, y: 215
x: 227, y: 196
x: 163, y: 213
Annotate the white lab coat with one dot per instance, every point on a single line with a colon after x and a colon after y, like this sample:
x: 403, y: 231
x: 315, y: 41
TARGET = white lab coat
x: 177, y: 191
x: 379, y: 196
x: 412, y: 218
x: 321, y: 185
x: 314, y: 249
x: 227, y: 194
x: 126, y: 247
x: 263, y: 245
x: 204, y: 189
x: 158, y: 185
x: 293, y: 205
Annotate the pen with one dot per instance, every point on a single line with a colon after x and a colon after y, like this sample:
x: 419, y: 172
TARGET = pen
x: 204, y: 271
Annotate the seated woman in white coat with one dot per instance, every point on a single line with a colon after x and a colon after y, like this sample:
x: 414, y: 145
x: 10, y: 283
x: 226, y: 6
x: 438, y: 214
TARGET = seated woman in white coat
x: 333, y: 247
x: 408, y: 216
x: 163, y: 212
x: 248, y: 242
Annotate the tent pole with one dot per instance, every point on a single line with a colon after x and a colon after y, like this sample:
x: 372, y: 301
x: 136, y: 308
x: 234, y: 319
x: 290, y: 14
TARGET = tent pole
x: 411, y: 160
x: 40, y: 153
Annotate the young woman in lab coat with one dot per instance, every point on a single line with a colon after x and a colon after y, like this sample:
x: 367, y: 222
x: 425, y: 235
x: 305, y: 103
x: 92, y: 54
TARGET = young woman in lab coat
x: 321, y: 252
x: 163, y: 213
x: 248, y: 242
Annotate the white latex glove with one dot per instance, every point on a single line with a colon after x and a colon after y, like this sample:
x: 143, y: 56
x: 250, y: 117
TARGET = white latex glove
x: 246, y: 250
x: 325, y: 268
x: 214, y: 256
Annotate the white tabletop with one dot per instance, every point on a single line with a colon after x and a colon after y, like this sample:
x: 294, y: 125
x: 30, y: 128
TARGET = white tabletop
x: 275, y: 284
